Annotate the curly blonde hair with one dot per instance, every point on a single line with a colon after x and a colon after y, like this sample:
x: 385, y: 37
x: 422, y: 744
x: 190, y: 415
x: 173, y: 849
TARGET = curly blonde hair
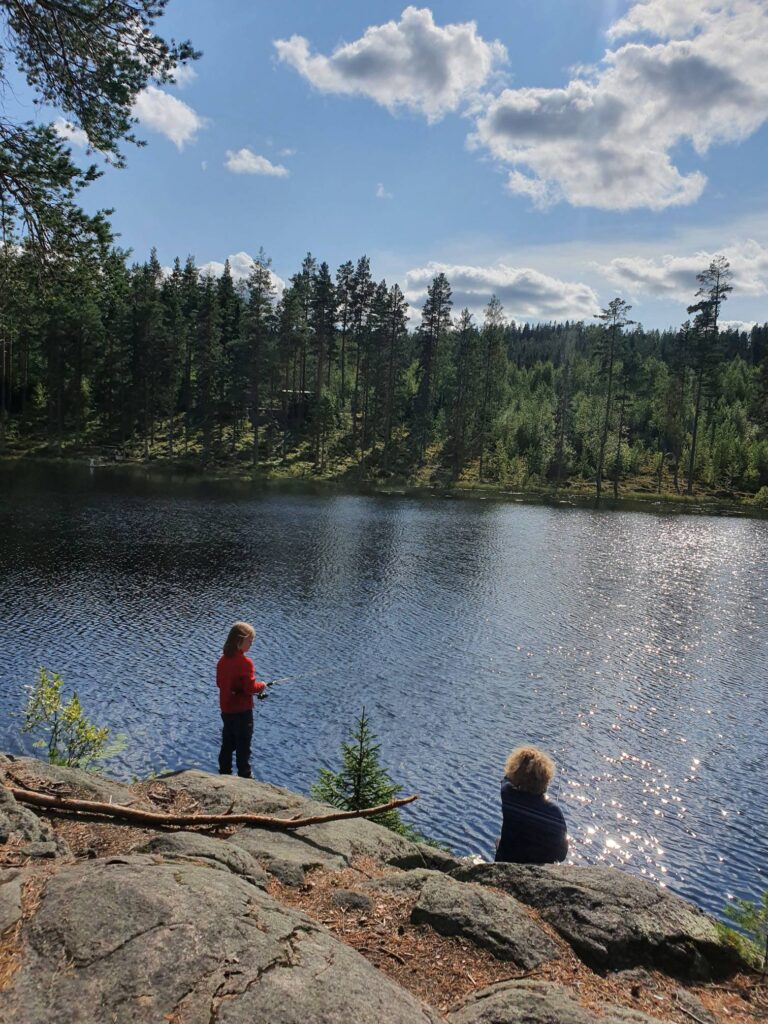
x: 529, y: 769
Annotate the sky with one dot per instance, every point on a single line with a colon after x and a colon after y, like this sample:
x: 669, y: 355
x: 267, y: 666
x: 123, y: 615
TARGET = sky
x: 556, y: 154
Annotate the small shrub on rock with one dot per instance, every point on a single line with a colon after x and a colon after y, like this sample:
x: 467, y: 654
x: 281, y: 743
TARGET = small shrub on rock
x: 68, y: 735
x: 363, y: 781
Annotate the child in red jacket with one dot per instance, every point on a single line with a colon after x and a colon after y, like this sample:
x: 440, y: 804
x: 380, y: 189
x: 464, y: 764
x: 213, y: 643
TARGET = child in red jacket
x: 236, y: 680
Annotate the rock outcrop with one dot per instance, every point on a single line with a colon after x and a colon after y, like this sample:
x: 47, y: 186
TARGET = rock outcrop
x: 536, y: 1002
x: 132, y: 940
x: 615, y: 920
x: 193, y: 928
x: 488, y: 919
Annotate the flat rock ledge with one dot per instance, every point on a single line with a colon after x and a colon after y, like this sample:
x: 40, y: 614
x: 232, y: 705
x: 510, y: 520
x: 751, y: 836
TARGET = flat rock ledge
x: 615, y: 920
x: 536, y: 1002
x: 134, y: 940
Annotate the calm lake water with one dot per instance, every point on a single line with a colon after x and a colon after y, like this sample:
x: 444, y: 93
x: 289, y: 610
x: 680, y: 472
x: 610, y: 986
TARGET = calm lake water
x: 632, y: 646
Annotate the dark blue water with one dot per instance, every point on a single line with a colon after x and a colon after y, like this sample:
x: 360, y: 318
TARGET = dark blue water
x: 631, y: 646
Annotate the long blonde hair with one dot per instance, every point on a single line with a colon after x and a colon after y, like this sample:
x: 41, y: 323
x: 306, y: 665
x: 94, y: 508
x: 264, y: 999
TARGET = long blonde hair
x: 236, y: 635
x: 529, y: 769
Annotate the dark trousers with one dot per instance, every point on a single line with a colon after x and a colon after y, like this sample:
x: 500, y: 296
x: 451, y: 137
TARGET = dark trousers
x: 236, y: 738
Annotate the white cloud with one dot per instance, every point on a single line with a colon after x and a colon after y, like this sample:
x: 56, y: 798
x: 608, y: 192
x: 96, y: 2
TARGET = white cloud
x: 168, y: 115
x: 286, y: 152
x: 742, y: 326
x: 607, y: 139
x: 381, y: 192
x: 71, y: 133
x: 412, y: 63
x: 240, y: 265
x: 665, y: 19
x: 183, y: 75
x: 675, y: 276
x: 526, y: 294
x: 245, y: 162
x: 204, y: 165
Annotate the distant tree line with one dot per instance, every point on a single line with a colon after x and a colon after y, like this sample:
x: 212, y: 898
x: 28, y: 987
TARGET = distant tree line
x: 329, y: 378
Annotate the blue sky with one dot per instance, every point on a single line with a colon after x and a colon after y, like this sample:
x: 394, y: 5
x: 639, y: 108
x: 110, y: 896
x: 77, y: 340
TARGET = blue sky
x: 553, y: 152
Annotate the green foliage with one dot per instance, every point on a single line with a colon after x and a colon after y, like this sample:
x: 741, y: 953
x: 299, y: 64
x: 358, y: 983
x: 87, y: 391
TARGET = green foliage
x: 88, y: 59
x: 751, y: 938
x: 328, y: 381
x: 362, y: 781
x: 68, y: 736
x: 761, y: 498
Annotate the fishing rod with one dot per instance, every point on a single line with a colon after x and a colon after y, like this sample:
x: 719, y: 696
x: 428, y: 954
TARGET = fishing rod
x: 301, y: 676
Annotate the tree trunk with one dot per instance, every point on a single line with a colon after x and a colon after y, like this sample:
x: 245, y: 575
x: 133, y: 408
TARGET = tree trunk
x: 606, y: 422
x: 694, y: 432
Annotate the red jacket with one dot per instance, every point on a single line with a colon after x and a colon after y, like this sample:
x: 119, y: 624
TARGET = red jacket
x: 236, y: 680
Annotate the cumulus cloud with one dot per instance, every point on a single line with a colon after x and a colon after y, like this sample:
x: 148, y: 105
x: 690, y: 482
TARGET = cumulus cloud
x: 381, y: 192
x: 240, y: 265
x: 183, y: 75
x: 607, y: 139
x: 742, y: 326
x: 665, y: 19
x: 411, y: 63
x: 71, y: 133
x: 168, y: 115
x: 526, y: 294
x: 245, y: 162
x: 675, y: 276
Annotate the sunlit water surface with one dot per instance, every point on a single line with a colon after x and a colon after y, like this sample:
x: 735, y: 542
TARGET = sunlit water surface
x: 631, y: 646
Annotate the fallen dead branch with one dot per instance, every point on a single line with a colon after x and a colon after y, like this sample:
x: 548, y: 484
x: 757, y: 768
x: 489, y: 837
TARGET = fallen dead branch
x: 61, y: 803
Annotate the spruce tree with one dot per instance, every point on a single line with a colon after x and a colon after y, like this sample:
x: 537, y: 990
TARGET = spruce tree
x: 362, y: 781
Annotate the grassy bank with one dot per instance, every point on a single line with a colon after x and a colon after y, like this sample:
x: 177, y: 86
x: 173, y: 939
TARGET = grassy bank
x: 429, y: 480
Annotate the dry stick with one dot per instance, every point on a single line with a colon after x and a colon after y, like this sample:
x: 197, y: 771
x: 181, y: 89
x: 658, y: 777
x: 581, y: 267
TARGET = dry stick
x: 60, y: 803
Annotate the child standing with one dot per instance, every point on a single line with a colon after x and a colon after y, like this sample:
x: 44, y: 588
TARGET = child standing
x: 236, y: 680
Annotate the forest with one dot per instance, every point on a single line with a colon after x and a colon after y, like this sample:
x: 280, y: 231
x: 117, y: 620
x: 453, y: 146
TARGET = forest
x: 131, y: 360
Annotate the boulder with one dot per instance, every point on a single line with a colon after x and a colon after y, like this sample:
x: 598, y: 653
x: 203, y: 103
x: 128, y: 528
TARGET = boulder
x: 10, y: 898
x: 285, y: 855
x: 348, y: 899
x: 341, y: 841
x: 615, y: 920
x: 490, y: 920
x: 134, y: 940
x: 216, y: 852
x: 18, y: 821
x: 28, y: 772
x: 426, y: 856
x: 220, y: 794
x: 536, y: 1002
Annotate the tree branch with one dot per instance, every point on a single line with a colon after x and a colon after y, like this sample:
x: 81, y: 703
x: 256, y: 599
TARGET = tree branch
x: 61, y: 803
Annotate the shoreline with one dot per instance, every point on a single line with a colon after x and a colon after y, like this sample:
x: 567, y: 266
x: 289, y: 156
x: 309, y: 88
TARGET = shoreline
x: 191, y: 469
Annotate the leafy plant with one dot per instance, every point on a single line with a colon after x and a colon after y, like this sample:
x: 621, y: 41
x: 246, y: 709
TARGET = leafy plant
x: 750, y: 937
x: 363, y: 781
x: 68, y: 735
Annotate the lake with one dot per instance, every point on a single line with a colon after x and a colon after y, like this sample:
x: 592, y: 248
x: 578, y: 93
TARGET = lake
x: 631, y: 646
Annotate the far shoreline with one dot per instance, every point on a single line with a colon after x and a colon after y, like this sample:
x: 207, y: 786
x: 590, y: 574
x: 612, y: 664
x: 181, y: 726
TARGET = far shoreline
x: 190, y: 468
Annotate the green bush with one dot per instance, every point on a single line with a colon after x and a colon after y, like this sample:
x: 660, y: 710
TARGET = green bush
x: 750, y: 937
x: 761, y: 498
x: 68, y: 735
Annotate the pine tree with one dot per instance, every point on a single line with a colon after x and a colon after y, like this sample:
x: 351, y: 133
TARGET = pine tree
x: 468, y: 367
x: 435, y: 324
x: 714, y: 286
x: 259, y: 325
x: 492, y: 341
x: 615, y: 319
